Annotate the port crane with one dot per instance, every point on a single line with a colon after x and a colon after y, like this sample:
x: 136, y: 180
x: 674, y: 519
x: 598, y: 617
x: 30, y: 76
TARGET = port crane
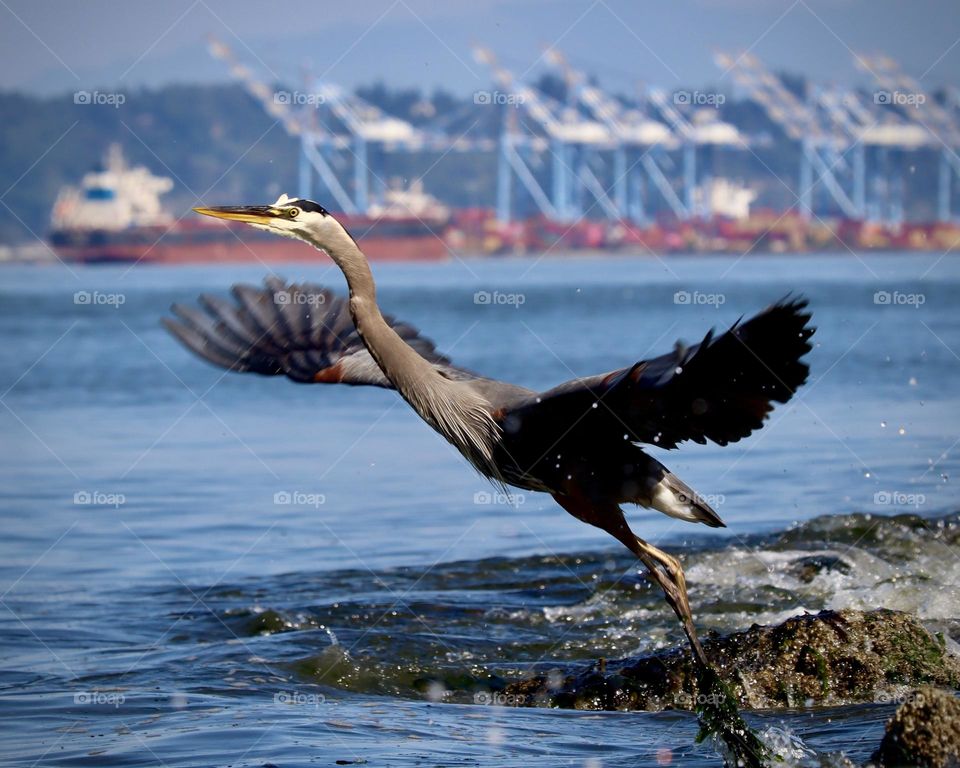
x: 634, y: 133
x: 708, y: 134
x: 822, y: 148
x: 333, y: 127
x: 879, y: 143
x: 902, y: 94
x: 570, y: 138
x: 614, y: 159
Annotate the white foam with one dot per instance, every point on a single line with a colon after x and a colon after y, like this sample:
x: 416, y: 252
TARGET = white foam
x: 926, y: 585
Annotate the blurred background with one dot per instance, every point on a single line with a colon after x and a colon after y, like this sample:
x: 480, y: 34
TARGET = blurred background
x: 208, y: 568
x: 688, y: 126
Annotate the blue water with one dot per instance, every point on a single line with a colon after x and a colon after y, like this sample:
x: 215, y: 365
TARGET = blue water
x: 146, y: 593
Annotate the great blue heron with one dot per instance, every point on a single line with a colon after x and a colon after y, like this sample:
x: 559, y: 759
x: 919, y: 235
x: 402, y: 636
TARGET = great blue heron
x: 578, y: 441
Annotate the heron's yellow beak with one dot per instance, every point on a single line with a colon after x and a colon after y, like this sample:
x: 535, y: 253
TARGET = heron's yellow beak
x: 252, y: 214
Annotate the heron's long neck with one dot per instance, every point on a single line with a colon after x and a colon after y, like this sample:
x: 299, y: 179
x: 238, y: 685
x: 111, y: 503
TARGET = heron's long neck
x: 460, y: 415
x: 400, y: 363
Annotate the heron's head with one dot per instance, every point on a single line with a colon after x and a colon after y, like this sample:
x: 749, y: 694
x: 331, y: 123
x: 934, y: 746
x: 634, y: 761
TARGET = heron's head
x: 290, y: 217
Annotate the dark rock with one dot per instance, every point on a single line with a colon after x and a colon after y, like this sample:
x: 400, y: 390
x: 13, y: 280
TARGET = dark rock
x: 924, y: 731
x: 266, y: 623
x: 830, y: 658
x: 808, y: 568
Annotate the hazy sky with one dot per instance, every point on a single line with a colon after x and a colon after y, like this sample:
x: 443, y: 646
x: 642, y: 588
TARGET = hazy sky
x: 57, y: 45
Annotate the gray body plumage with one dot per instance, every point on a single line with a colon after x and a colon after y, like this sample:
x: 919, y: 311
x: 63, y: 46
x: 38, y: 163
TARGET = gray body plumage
x: 579, y: 442
x: 581, y: 438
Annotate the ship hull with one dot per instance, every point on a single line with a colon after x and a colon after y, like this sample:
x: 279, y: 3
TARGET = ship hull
x: 231, y: 244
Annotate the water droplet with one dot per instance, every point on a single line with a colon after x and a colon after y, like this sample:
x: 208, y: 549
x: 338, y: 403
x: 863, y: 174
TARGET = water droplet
x: 866, y: 474
x: 902, y: 431
x: 436, y: 691
x: 178, y: 700
x: 555, y: 679
x: 912, y: 382
x: 883, y: 424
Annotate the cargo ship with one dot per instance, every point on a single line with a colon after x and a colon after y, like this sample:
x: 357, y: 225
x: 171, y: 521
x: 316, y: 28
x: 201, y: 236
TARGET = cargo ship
x: 116, y: 215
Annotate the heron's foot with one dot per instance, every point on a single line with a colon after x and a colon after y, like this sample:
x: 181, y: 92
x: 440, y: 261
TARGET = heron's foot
x: 668, y: 573
x: 717, y: 706
x: 717, y: 711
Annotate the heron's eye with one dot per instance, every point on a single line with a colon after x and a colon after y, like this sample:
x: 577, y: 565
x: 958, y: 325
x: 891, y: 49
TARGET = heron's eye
x: 293, y: 212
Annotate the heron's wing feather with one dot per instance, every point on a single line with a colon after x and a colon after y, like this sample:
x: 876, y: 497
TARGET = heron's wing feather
x: 719, y: 390
x: 302, y: 331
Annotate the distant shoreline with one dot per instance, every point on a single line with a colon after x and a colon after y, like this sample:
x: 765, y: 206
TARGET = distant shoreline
x: 39, y: 253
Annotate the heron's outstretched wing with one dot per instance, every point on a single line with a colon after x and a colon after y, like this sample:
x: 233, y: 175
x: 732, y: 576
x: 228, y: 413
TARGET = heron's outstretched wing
x: 720, y: 389
x: 304, y: 332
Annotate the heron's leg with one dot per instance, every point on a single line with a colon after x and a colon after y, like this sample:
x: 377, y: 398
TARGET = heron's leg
x: 664, y: 569
x: 668, y: 573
